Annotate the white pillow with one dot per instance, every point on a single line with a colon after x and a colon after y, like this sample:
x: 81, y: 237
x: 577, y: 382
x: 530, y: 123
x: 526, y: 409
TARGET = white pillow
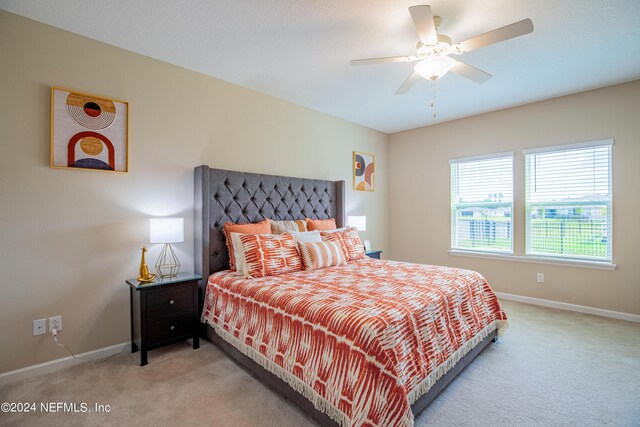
x: 334, y: 231
x: 306, y: 236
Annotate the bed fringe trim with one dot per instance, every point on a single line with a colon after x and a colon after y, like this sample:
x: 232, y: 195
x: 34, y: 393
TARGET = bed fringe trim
x: 323, y: 405
x: 319, y: 402
x: 427, y: 383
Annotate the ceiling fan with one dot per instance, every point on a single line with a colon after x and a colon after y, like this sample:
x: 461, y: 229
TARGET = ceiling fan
x: 433, y: 49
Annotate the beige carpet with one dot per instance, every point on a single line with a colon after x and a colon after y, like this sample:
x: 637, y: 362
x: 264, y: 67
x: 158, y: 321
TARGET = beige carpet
x: 552, y: 368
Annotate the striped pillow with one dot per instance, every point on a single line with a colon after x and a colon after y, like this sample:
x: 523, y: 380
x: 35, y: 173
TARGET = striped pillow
x: 279, y: 227
x: 269, y: 255
x: 261, y: 227
x: 349, y: 240
x: 321, y: 254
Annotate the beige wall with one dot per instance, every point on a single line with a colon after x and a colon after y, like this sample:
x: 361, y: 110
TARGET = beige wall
x: 70, y: 238
x: 419, y: 188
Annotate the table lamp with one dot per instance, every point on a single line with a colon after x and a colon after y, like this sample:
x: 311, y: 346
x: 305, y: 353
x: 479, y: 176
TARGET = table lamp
x: 359, y: 222
x: 167, y: 231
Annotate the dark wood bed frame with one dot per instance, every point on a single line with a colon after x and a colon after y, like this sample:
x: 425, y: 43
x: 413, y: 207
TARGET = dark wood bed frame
x: 239, y: 197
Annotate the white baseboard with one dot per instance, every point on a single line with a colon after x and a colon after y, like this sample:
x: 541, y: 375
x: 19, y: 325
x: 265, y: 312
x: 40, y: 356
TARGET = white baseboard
x: 571, y: 307
x: 55, y: 365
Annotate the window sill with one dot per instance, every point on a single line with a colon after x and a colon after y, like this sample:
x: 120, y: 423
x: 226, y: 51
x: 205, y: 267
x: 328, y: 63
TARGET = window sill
x: 536, y: 260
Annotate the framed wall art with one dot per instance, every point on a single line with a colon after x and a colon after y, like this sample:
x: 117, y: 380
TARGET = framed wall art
x: 363, y: 171
x: 88, y: 131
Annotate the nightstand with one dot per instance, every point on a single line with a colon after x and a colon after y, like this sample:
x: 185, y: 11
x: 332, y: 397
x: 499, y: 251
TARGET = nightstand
x: 373, y: 254
x: 163, y: 312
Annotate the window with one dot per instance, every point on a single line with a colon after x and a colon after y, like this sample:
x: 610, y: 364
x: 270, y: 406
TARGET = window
x: 568, y: 201
x: 482, y: 203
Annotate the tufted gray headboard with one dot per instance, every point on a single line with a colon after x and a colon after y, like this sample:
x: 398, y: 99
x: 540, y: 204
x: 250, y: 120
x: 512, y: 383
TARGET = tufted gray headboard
x: 222, y: 195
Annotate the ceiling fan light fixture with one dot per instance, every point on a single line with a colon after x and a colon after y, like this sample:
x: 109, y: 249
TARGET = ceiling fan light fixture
x: 433, y: 50
x: 434, y: 67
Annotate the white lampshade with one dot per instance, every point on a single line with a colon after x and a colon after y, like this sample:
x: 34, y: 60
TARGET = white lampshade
x: 434, y: 67
x: 166, y: 230
x: 359, y: 222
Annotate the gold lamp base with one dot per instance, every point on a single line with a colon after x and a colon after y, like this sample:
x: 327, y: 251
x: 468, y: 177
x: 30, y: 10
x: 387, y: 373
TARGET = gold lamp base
x: 168, y: 264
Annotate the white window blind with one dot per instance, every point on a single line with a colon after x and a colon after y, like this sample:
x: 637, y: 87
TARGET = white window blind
x: 482, y: 203
x: 568, y: 201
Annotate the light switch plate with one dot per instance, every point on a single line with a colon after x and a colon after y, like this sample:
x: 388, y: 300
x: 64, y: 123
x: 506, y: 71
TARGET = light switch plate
x: 39, y: 327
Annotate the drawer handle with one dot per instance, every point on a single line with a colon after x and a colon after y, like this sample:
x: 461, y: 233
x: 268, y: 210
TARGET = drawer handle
x: 171, y: 302
x: 172, y: 327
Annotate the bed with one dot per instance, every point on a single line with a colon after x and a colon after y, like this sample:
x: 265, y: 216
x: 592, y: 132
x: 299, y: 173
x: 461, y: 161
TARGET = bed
x: 368, y: 343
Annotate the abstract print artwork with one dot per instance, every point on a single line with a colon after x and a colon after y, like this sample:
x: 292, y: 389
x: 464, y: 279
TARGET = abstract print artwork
x: 88, y: 131
x: 363, y: 171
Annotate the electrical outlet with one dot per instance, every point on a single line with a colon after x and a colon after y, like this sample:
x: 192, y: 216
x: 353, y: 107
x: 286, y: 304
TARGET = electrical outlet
x: 55, y: 322
x: 540, y: 277
x: 39, y: 327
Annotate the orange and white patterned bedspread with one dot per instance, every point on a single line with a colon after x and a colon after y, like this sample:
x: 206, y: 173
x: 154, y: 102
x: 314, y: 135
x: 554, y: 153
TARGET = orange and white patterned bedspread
x: 362, y: 341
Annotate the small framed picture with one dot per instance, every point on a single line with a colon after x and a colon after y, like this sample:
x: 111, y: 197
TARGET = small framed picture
x: 367, y: 246
x: 363, y: 171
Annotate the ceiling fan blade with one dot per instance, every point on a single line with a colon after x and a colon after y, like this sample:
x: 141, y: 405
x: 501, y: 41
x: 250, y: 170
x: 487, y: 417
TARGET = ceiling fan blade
x: 379, y: 60
x: 516, y: 29
x: 408, y: 84
x: 472, y: 73
x: 423, y: 20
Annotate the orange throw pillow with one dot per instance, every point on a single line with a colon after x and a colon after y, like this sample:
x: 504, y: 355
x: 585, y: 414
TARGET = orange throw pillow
x: 321, y: 224
x: 349, y: 240
x: 269, y: 255
x: 321, y: 254
x: 262, y: 227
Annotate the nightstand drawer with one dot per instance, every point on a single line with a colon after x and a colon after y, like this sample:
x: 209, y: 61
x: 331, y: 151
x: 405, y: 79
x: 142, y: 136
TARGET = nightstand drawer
x: 170, y: 327
x: 168, y: 301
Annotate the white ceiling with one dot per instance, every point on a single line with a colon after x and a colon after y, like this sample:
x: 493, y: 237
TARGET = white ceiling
x: 299, y: 50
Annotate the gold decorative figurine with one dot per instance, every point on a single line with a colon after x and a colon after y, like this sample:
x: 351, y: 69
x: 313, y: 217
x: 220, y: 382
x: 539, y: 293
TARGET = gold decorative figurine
x: 145, y: 276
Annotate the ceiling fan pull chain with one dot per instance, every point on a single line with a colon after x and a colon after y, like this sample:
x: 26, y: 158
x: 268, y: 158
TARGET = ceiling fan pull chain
x: 433, y: 97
